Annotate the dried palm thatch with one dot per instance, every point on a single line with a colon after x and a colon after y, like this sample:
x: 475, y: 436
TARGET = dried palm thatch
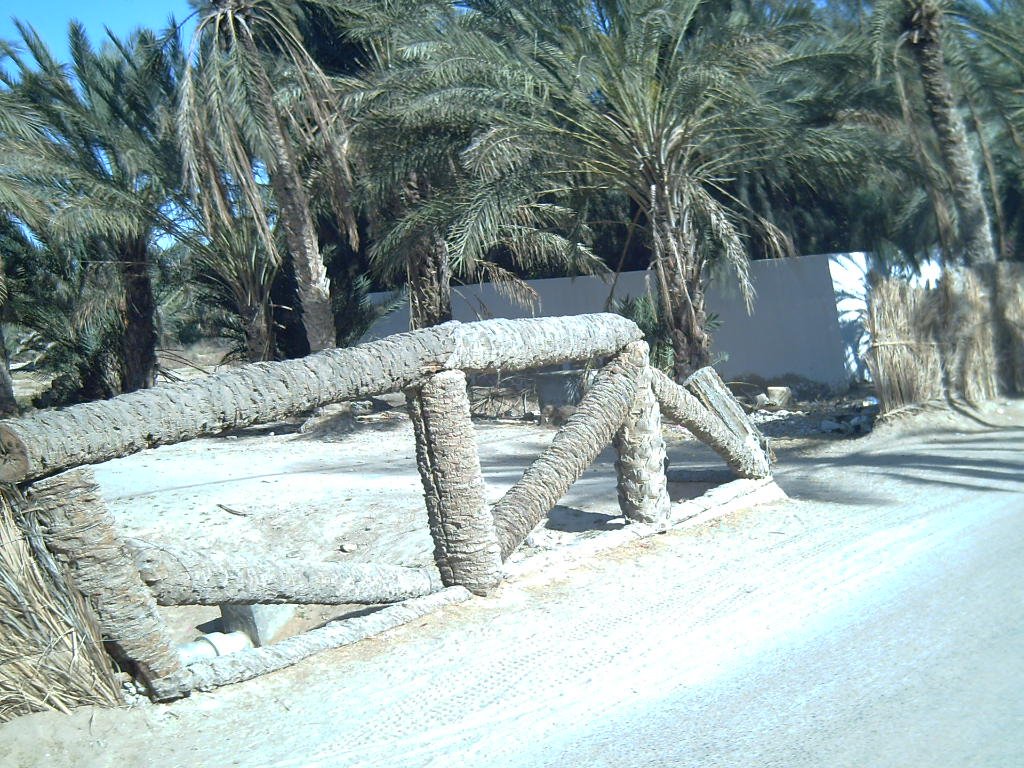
x: 904, y: 361
x: 51, y: 654
x: 932, y: 344
x: 1011, y: 309
x: 960, y: 317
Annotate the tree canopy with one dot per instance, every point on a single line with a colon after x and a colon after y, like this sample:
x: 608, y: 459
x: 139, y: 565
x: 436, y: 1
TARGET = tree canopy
x: 257, y: 180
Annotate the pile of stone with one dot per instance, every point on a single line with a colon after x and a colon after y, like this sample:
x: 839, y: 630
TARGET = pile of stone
x: 778, y: 415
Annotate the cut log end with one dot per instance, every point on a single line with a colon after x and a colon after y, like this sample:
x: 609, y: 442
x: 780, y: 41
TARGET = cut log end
x: 14, y: 462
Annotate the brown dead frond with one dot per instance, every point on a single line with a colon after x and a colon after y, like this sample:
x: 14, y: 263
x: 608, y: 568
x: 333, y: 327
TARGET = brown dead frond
x: 932, y: 344
x: 51, y: 654
x: 904, y: 360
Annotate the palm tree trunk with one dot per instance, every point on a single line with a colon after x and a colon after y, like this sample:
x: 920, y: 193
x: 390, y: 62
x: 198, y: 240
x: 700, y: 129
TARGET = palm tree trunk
x: 8, y: 405
x: 940, y: 209
x: 428, y: 273
x: 138, y: 345
x: 598, y: 417
x: 1002, y: 248
x: 974, y: 226
x: 465, y: 545
x: 640, y: 462
x: 690, y: 340
x: 187, y: 577
x: 518, y: 345
x: 739, y: 443
x: 80, y: 532
x: 250, y: 663
x: 50, y: 441
x: 429, y: 280
x: 258, y: 323
x: 680, y: 286
x: 296, y: 219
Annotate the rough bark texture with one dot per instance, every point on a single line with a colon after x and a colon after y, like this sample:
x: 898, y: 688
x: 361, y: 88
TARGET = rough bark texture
x: 515, y: 345
x: 428, y: 272
x: 429, y: 279
x: 678, y: 268
x: 691, y: 343
x: 258, y: 325
x: 640, y: 466
x: 1010, y: 298
x: 51, y: 441
x: 245, y: 665
x: 295, y: 216
x: 80, y: 532
x: 138, y: 353
x: 8, y: 405
x: 742, y: 450
x: 707, y: 386
x: 465, y: 544
x: 599, y: 415
x: 974, y: 226
x: 1004, y: 295
x: 179, y: 576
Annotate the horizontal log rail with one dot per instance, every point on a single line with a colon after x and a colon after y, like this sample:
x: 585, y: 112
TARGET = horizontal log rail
x: 247, y: 664
x: 49, y: 442
x: 179, y: 576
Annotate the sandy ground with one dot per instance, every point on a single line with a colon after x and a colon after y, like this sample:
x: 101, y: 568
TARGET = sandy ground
x: 549, y: 653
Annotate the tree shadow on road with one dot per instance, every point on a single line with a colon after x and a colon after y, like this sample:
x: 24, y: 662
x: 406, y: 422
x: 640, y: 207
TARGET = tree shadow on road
x: 992, y: 460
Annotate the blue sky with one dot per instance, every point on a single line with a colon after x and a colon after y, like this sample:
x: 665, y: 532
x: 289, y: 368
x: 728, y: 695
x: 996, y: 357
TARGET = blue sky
x: 51, y: 17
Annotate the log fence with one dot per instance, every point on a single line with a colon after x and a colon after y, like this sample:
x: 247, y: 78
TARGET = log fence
x: 125, y: 580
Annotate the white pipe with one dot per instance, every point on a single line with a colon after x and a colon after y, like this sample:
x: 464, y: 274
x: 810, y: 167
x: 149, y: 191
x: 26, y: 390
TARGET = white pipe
x: 211, y: 645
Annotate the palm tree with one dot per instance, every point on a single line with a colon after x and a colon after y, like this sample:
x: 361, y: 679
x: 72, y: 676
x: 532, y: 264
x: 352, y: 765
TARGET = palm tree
x: 238, y: 130
x: 69, y: 304
x: 424, y: 202
x: 8, y: 405
x: 234, y: 274
x: 95, y: 164
x: 926, y: 28
x: 989, y: 72
x: 663, y: 100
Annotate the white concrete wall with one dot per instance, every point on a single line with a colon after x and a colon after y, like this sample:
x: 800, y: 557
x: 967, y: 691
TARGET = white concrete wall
x: 793, y: 328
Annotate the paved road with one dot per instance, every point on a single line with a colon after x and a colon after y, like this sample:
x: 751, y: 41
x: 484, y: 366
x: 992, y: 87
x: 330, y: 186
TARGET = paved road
x: 877, y: 619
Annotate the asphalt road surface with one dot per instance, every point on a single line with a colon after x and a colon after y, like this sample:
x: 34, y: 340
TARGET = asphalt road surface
x: 875, y: 619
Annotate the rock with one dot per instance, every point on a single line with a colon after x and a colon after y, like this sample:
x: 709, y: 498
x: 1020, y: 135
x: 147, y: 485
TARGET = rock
x: 762, y: 401
x: 348, y: 547
x: 780, y: 397
x: 540, y: 540
x: 861, y: 424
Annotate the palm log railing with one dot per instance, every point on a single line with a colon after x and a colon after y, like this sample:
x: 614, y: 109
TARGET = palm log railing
x: 125, y: 580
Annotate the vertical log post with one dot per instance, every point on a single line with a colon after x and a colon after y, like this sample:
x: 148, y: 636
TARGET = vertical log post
x: 79, y: 530
x: 466, y: 547
x: 640, y: 465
